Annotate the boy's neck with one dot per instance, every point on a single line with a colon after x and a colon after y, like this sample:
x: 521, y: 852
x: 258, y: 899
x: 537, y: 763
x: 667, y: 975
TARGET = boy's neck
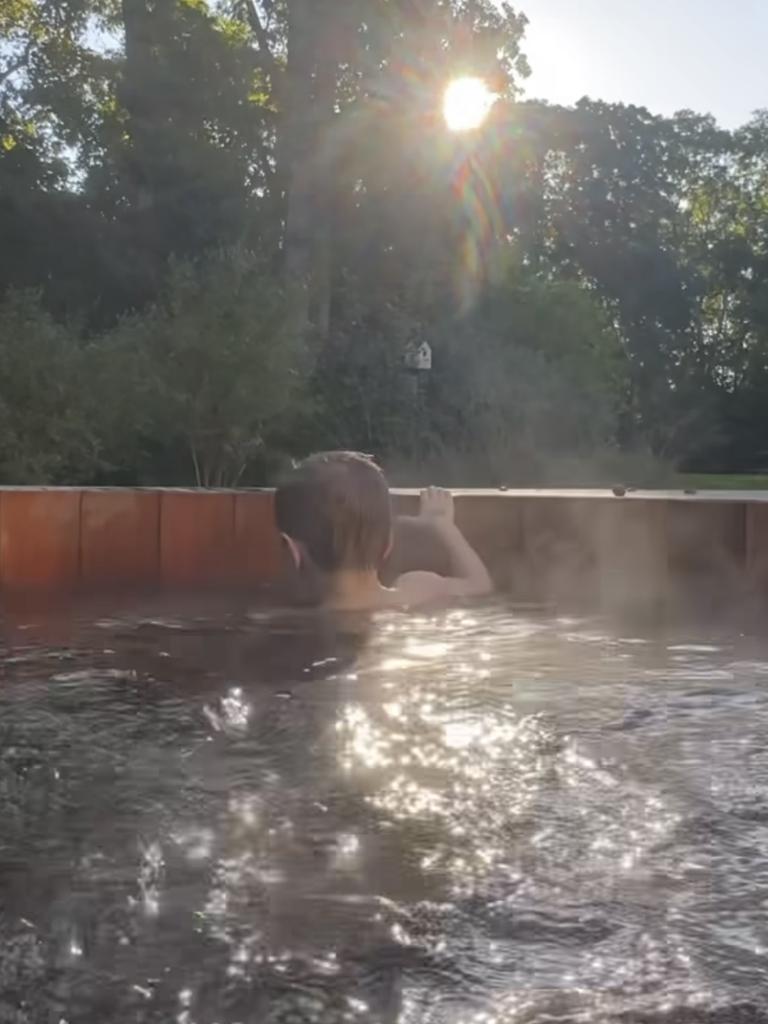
x: 353, y: 588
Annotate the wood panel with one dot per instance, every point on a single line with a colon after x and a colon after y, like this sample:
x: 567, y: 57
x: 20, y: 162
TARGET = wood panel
x: 39, y: 538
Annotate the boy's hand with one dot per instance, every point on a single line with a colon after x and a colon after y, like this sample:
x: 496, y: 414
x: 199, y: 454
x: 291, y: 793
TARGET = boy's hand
x: 436, y: 504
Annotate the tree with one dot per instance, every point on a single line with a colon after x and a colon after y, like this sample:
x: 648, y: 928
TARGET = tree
x: 608, y: 196
x: 216, y: 364
x: 141, y: 139
x: 338, y: 73
x: 535, y: 372
x: 47, y: 430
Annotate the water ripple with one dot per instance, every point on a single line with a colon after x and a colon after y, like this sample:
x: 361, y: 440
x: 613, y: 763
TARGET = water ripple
x: 477, y: 816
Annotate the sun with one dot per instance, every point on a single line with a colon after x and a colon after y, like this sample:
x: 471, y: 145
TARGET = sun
x: 466, y: 104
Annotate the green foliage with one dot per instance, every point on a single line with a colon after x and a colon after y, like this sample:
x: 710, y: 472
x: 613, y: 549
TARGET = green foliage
x: 535, y: 372
x: 46, y: 425
x: 148, y: 147
x: 217, y: 364
x: 364, y: 397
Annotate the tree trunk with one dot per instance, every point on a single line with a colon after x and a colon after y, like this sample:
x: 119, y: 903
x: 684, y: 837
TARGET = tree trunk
x: 307, y: 160
x: 144, y: 109
x: 138, y: 54
x: 295, y: 151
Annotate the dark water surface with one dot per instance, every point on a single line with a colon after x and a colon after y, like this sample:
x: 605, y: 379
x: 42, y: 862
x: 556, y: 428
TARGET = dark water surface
x: 470, y: 817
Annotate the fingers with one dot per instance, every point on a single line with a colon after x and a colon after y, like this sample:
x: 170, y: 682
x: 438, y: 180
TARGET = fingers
x: 436, y: 502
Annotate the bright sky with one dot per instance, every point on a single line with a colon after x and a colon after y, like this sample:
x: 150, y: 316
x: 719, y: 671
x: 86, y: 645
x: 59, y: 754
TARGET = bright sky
x: 666, y: 55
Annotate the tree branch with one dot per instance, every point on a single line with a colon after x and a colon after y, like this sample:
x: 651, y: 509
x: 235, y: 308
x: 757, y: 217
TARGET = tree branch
x: 262, y: 39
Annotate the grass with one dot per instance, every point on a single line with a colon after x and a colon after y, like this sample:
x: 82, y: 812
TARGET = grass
x: 722, y: 481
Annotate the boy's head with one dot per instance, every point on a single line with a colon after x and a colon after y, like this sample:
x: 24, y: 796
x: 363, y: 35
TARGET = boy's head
x: 335, y: 508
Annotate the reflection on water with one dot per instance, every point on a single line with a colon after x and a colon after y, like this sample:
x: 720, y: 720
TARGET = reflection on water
x: 472, y: 817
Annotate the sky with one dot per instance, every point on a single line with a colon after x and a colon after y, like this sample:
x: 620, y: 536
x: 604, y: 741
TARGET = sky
x: 667, y: 55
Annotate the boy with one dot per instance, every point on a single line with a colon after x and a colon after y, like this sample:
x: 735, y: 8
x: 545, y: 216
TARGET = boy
x: 335, y: 518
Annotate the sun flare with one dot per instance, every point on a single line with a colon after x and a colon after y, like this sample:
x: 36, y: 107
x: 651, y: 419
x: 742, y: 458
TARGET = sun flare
x: 466, y: 104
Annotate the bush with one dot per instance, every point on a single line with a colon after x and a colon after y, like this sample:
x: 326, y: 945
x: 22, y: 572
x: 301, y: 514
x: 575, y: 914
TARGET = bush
x: 212, y: 369
x: 532, y: 377
x: 47, y: 425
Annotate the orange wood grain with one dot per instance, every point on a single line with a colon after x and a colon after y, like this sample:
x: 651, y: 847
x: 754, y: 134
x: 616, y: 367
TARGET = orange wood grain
x: 120, y: 537
x: 197, y: 533
x: 39, y: 538
x: 257, y: 541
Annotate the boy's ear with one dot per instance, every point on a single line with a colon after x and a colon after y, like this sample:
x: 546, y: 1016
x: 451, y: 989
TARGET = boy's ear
x: 294, y: 550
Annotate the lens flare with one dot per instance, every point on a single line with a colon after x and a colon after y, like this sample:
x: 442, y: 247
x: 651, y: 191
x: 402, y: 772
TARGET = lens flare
x: 466, y: 104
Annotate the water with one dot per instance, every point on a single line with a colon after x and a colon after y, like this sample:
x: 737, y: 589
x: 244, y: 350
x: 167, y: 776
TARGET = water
x: 480, y: 816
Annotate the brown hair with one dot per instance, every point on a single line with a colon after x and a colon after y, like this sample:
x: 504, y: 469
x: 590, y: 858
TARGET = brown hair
x: 337, y: 505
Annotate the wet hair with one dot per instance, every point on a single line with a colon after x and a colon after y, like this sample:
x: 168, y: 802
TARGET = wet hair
x: 336, y: 504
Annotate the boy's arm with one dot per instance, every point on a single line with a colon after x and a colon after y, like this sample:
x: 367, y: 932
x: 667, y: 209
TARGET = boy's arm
x: 468, y: 578
x: 417, y: 545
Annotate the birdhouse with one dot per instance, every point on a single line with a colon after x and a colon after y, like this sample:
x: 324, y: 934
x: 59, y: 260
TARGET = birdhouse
x: 418, y: 357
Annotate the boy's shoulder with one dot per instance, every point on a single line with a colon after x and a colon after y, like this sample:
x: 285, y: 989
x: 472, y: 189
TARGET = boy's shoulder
x: 420, y: 587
